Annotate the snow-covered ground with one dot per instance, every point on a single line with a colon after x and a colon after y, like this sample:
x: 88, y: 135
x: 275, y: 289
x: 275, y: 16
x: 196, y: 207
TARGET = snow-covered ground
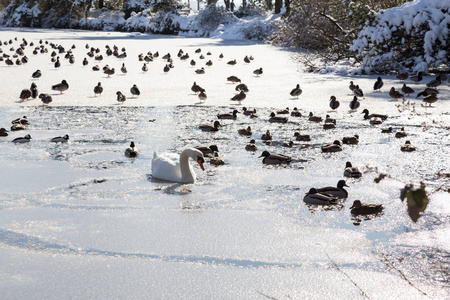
x: 82, y: 221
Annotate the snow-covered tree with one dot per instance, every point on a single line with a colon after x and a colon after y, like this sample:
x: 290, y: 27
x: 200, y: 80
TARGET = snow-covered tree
x: 413, y: 36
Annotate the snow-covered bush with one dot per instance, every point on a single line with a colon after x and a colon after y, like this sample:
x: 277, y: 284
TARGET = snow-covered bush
x: 413, y: 36
x: 163, y: 23
x: 257, y: 30
x: 21, y: 13
x: 212, y: 16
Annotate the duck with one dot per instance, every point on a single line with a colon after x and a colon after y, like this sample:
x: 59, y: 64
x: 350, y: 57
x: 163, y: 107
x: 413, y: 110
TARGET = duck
x: 221, y: 55
x: 210, y: 127
x: 333, y: 147
x: 417, y: 78
x: 247, y: 60
x: 351, y: 140
x: 95, y: 68
x: 57, y: 63
x: 407, y: 147
x: 329, y: 119
x: 407, y: 90
x: 192, y: 62
x: 386, y: 130
x: 166, y: 68
x: 296, y: 113
x: 239, y: 97
x: 314, y: 197
x: 368, y: 116
x: 258, y: 72
x: 34, y: 90
x: 24, y: 121
x: 60, y: 139
x: 36, y: 74
x: 276, y: 119
x: 393, y: 93
x: 85, y: 62
x: 98, y: 89
x: 359, y: 208
x: 351, y: 171
x: 275, y: 159
x: 121, y: 97
x: 266, y: 136
x: 401, y: 133
x: 334, y: 104
x: 296, y: 92
x: 375, y: 121
x: 337, y: 191
x: 25, y: 94
x: 242, y: 87
x: 109, y: 71
x: 245, y: 131
x: 3, y: 132
x: 209, y: 63
x: 135, y: 90
x: 378, y: 84
x: 216, y: 160
x: 233, y: 79
x: 288, y: 144
x: 435, y: 82
x: 251, y: 146
x: 176, y: 168
x: 200, y: 71
x: 207, y: 150
x: 231, y: 62
x: 402, y: 76
x: 131, y: 151
x: 24, y: 139
x: 283, y: 111
x: 427, y: 91
x: 17, y: 127
x: 352, y: 86
x: 354, y: 104
x: 358, y: 91
x: 302, y: 137
x: 314, y: 118
x: 202, y: 95
x: 430, y: 99
x: 329, y: 125
x: 196, y: 88
x: 230, y: 116
x: 248, y: 112
x: 123, y: 69
x: 61, y: 87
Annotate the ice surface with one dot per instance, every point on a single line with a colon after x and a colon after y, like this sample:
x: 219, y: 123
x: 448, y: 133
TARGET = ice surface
x: 82, y: 221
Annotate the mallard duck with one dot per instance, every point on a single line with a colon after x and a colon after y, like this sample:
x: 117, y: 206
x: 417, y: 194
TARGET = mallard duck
x: 334, y: 104
x: 386, y: 130
x: 352, y: 86
x: 401, y: 133
x: 297, y: 91
x: 85, y: 62
x: 288, y: 144
x: 417, y: 78
x: 98, y: 89
x: 248, y: 112
x: 435, y: 82
x: 135, y: 90
x: 109, y: 71
x: 202, y: 95
x: 351, y: 171
x: 337, y: 191
x: 123, y: 69
x: 24, y: 121
x: 233, y: 79
x: 296, y: 113
x: 393, y: 93
x: 17, y: 127
x: 221, y: 55
x: 266, y: 136
x: 96, y: 68
x: 209, y: 63
x: 36, y: 74
x: 60, y: 139
x: 275, y: 159
x: 407, y: 90
x: 251, y: 146
x: 121, y: 97
x: 354, y: 104
x: 239, y: 97
x: 258, y: 72
x: 245, y: 131
x: 428, y: 91
x: 430, y: 99
x: 314, y: 118
x: 378, y: 84
x: 247, y: 60
x: 200, y: 71
x: 231, y: 116
x: 359, y: 208
x: 3, y: 132
x: 131, y: 151
x: 241, y: 87
x: 166, y: 68
x: 25, y: 94
x: 333, y: 147
x: 216, y: 160
x: 368, y: 116
x: 196, y: 88
x: 144, y: 68
x: 329, y: 119
x: 207, y: 150
x: 302, y: 137
x: 329, y: 125
x: 402, y: 76
x: 34, y: 90
x: 407, y: 147
x: 276, y: 119
x: 192, y: 62
x: 57, y: 63
x: 61, y: 87
x: 350, y: 140
x: 210, y: 127
x: 375, y: 121
x: 24, y: 139
x: 358, y: 91
x: 231, y: 62
x: 314, y: 197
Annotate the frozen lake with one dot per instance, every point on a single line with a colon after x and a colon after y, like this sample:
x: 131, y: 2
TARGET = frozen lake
x: 82, y: 221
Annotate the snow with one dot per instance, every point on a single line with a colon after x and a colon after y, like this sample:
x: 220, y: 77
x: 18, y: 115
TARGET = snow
x: 82, y: 221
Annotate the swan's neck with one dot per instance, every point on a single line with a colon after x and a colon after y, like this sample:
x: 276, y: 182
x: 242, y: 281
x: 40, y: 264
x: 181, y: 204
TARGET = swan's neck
x: 187, y: 174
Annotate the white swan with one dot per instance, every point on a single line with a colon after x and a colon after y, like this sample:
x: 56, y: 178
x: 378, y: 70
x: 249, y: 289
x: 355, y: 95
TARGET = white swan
x: 176, y: 168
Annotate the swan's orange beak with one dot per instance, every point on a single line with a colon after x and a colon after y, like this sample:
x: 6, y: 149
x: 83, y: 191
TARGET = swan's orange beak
x: 200, y: 162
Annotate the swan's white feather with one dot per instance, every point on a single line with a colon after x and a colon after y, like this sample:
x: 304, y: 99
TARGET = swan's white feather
x: 166, y: 166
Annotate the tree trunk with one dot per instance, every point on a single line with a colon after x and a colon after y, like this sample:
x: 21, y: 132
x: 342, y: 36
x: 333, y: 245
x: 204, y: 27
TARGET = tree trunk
x: 244, y: 3
x: 227, y: 4
x: 101, y: 4
x: 287, y: 4
x: 278, y: 5
x: 269, y: 5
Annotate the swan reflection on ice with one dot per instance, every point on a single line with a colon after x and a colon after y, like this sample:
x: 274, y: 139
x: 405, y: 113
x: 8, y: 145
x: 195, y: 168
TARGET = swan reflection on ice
x: 176, y: 168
